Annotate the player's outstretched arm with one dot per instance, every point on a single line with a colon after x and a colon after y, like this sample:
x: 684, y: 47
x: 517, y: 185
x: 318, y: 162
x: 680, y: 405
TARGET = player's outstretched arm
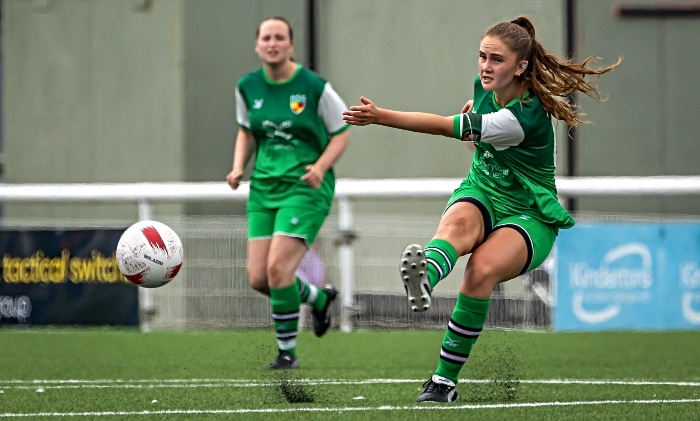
x: 368, y: 113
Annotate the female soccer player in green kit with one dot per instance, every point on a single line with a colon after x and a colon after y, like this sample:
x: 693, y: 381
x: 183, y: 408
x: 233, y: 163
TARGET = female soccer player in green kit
x: 505, y: 213
x: 293, y: 120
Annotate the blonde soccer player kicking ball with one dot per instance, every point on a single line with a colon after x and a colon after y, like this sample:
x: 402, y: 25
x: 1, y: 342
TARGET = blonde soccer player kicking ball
x: 505, y: 213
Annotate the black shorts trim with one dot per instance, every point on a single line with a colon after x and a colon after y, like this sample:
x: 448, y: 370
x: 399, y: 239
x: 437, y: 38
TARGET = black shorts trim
x: 485, y: 215
x: 528, y: 243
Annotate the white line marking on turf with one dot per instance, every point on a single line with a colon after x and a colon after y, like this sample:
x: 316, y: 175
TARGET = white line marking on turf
x: 36, y: 381
x: 195, y: 383
x: 346, y: 409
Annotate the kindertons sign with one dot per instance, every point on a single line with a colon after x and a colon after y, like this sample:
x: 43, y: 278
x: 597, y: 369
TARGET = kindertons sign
x: 628, y: 276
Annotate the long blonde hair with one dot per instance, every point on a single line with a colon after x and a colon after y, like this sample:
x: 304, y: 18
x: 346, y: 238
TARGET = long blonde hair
x: 546, y: 76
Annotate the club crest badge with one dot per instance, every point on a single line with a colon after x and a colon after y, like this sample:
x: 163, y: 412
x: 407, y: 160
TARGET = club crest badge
x: 297, y: 103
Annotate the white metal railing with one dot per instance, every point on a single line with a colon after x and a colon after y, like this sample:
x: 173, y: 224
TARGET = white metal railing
x: 146, y: 194
x: 350, y: 188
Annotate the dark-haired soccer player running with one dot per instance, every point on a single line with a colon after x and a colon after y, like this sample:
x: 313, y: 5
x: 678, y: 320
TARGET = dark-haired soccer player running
x: 293, y: 120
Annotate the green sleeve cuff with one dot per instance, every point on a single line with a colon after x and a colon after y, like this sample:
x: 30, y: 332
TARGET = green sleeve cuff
x: 457, y: 127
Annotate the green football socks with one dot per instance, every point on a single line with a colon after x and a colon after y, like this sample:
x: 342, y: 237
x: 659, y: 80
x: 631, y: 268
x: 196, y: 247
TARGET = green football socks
x: 441, y: 258
x: 311, y: 294
x: 463, y: 329
x: 285, y: 303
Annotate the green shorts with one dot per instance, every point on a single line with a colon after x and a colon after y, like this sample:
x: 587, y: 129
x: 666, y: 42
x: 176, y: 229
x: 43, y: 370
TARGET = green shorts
x: 279, y: 194
x: 292, y: 222
x: 538, y: 236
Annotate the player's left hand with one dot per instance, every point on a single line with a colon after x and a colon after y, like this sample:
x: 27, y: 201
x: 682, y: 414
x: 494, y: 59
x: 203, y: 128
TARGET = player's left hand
x: 468, y: 107
x: 362, y: 115
x: 313, y: 176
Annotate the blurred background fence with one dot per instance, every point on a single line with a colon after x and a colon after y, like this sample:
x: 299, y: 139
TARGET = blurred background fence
x: 359, y: 249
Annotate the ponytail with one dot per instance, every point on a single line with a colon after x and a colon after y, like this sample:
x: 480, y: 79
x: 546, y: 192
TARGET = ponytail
x: 545, y: 75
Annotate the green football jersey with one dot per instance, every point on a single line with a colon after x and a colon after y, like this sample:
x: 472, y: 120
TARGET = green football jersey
x: 292, y: 122
x: 515, y: 156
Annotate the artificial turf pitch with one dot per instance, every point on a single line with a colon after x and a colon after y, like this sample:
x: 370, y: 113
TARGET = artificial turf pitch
x: 374, y: 374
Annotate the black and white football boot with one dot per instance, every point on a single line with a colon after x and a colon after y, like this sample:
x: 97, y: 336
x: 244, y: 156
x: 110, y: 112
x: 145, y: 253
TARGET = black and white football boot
x: 284, y: 361
x: 438, y: 389
x: 322, y: 319
x: 414, y: 274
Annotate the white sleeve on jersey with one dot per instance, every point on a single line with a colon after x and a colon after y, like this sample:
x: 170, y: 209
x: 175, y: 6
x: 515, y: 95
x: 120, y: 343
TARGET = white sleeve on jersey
x: 501, y: 129
x: 330, y: 109
x: 241, y: 111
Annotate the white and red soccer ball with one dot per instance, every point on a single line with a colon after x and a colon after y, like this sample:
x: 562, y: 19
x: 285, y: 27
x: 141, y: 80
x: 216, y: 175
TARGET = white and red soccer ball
x: 149, y: 254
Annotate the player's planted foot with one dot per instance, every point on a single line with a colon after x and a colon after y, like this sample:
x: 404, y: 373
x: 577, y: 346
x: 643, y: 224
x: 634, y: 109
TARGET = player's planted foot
x: 414, y: 273
x: 322, y: 318
x: 438, y: 389
x: 284, y: 361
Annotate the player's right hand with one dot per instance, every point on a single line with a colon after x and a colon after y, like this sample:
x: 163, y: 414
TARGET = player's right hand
x: 234, y: 179
x: 362, y: 115
x: 468, y: 107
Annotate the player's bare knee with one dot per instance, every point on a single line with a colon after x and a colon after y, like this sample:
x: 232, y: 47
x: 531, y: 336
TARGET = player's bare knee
x: 277, y: 273
x: 258, y: 281
x: 460, y: 233
x: 453, y: 225
x: 479, y: 278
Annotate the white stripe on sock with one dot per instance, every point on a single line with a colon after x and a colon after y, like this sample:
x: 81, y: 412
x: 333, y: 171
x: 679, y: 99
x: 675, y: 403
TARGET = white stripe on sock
x: 466, y: 332
x: 444, y: 256
x: 288, y: 316
x: 285, y: 345
x: 285, y: 335
x: 313, y: 294
x: 436, y: 266
x: 453, y: 356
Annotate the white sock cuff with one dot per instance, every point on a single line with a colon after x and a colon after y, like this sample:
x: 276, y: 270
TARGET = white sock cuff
x: 288, y: 344
x: 313, y: 294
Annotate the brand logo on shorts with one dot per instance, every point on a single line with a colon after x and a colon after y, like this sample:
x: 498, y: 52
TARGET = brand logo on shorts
x: 294, y: 220
x: 524, y: 217
x: 297, y: 103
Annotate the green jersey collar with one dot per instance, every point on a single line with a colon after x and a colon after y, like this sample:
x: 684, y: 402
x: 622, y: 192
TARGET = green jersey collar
x: 291, y: 78
x: 512, y: 102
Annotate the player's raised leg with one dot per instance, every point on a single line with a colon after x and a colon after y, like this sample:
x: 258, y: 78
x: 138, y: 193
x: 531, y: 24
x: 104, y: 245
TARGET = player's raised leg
x: 461, y: 229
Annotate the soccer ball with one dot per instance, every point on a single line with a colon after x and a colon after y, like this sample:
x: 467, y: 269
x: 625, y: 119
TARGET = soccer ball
x: 149, y: 254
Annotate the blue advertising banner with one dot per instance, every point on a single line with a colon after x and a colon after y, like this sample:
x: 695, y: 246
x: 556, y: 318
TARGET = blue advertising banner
x: 634, y: 276
x: 682, y: 269
x: 64, y: 278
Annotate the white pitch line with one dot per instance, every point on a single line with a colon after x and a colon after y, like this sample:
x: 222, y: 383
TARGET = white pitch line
x: 253, y: 383
x: 183, y: 383
x: 212, y: 383
x: 614, y: 382
x: 37, y: 381
x: 448, y: 407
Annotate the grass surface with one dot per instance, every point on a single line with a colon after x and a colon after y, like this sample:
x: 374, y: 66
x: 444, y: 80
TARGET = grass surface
x: 123, y: 374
